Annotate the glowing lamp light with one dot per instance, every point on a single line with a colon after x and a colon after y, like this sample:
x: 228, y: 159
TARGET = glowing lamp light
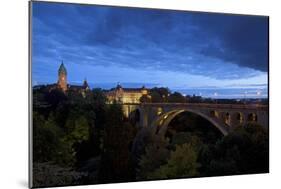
x: 159, y: 111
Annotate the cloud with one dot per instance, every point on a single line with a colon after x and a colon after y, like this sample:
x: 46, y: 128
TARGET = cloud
x: 213, y: 45
x: 242, y: 41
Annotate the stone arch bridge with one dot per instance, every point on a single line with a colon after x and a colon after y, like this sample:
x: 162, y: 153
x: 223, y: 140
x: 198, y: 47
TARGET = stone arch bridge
x: 224, y: 117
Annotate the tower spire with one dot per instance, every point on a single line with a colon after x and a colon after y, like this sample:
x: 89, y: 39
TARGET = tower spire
x: 85, y: 84
x: 62, y: 80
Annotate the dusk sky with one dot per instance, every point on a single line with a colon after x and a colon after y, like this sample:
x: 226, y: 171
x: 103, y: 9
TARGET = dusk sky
x: 190, y: 52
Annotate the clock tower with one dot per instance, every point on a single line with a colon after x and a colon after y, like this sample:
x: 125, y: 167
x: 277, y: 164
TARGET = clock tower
x: 62, y: 80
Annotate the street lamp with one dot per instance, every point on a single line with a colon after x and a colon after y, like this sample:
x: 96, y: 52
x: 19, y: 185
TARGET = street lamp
x: 216, y: 94
x: 259, y: 95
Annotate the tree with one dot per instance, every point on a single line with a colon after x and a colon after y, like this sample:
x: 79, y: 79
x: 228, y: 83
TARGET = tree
x: 80, y: 131
x: 195, y: 125
x: 182, y: 163
x: 145, y: 99
x: 68, y: 128
x: 54, y: 97
x: 156, y: 154
x: 244, y: 151
x: 195, y: 99
x: 252, y: 140
x: 46, y: 138
x: 186, y: 137
x: 159, y: 94
x: 97, y: 96
x: 48, y: 143
x: 156, y: 97
x: 116, y: 161
x: 176, y: 98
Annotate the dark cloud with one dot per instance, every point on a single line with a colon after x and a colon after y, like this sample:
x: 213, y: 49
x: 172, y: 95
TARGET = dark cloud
x: 242, y: 40
x: 214, y: 45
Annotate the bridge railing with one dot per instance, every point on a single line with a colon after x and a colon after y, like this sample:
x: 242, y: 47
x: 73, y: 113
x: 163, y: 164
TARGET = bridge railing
x: 205, y: 105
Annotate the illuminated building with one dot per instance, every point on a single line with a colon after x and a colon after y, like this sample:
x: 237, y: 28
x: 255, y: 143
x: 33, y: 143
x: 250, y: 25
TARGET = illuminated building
x: 126, y: 95
x: 118, y: 94
x: 62, y: 80
x: 63, y: 85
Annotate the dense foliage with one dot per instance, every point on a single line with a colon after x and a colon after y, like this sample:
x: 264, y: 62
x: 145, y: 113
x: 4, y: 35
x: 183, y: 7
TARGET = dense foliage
x: 189, y: 154
x: 82, y: 133
x: 244, y: 151
x: 78, y: 138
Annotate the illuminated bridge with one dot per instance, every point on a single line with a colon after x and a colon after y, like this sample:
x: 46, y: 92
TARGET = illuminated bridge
x: 225, y: 117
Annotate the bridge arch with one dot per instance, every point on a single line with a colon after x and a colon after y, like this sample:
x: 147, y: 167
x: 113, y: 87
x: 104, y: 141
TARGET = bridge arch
x: 252, y: 117
x: 237, y: 118
x: 161, y: 123
x: 227, y: 118
x: 152, y: 113
x: 214, y: 113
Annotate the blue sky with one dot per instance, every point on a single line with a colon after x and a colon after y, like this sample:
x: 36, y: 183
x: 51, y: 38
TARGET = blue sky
x: 184, y: 51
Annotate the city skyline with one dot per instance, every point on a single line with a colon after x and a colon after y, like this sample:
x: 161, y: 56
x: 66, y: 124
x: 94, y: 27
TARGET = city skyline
x: 179, y: 50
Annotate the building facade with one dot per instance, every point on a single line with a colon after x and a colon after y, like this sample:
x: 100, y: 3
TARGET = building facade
x: 64, y: 86
x: 117, y: 94
x: 126, y: 95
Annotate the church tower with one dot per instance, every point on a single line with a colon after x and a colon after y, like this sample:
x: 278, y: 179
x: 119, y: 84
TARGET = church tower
x: 62, y: 80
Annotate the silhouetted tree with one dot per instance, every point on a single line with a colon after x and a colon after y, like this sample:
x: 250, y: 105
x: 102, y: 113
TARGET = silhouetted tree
x: 159, y: 94
x: 176, y: 98
x: 116, y: 162
x: 145, y: 99
x: 156, y: 154
x: 244, y: 151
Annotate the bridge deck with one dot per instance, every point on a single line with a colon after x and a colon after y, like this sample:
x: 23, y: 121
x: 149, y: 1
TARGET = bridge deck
x: 204, y: 105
